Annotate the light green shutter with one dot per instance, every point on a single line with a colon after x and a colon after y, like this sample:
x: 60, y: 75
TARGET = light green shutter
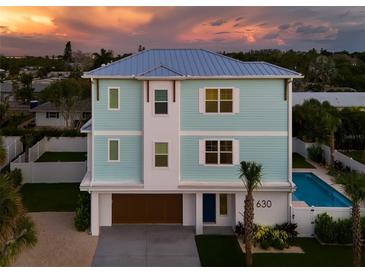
x: 113, y: 150
x: 113, y: 99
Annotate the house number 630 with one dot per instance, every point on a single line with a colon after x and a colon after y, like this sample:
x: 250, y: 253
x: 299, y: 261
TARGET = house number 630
x: 264, y: 203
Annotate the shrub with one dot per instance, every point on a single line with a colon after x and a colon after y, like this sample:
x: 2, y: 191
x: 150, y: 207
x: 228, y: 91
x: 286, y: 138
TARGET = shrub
x: 15, y: 177
x: 335, y: 231
x: 239, y: 229
x: 267, y: 236
x: 290, y: 229
x: 82, y: 217
x: 315, y: 153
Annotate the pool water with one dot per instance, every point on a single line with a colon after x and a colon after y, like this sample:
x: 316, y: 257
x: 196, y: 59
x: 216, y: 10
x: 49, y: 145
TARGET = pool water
x: 315, y: 192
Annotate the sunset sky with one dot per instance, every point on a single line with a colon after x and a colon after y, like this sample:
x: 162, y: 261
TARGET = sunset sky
x: 44, y: 30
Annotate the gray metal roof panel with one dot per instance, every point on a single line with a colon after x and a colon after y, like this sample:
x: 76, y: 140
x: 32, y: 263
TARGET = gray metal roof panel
x: 187, y: 62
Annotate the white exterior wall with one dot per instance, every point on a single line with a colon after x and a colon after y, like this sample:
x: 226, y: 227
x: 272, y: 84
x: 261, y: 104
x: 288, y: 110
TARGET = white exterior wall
x: 189, y: 209
x: 41, y: 120
x: 161, y: 128
x: 105, y: 209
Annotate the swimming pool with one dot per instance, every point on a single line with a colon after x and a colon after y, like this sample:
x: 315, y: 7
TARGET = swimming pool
x: 315, y: 192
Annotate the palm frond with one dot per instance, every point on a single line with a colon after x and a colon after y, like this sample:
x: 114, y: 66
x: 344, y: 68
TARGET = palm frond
x: 250, y: 174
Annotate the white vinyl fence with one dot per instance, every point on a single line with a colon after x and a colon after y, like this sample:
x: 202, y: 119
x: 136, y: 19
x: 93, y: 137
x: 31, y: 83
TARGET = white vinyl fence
x: 52, y: 172
x: 304, y: 217
x: 301, y: 147
x: 13, y: 147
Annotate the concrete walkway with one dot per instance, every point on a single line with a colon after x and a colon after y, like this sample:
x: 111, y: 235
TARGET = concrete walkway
x: 146, y: 245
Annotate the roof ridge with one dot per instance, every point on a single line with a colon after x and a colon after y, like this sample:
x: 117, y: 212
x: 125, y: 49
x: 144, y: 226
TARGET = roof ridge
x: 118, y: 61
x: 292, y: 71
x: 160, y: 66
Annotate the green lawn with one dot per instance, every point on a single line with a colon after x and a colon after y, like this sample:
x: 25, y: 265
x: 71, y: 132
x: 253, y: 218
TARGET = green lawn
x: 358, y: 155
x: 300, y: 162
x: 224, y: 250
x: 50, y: 197
x: 63, y: 157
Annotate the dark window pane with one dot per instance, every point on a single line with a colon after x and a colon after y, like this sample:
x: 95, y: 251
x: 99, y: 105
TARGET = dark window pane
x: 211, y: 145
x: 161, y: 160
x: 160, y: 95
x: 226, y: 94
x: 226, y: 158
x: 161, y: 108
x: 226, y: 145
x: 211, y: 158
x: 211, y: 106
x: 223, y: 204
x: 226, y: 106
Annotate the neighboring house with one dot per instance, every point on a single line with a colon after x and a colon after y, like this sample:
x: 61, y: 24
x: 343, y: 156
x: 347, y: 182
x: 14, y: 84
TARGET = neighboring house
x: 336, y: 99
x: 48, y: 115
x: 168, y: 131
x: 58, y: 74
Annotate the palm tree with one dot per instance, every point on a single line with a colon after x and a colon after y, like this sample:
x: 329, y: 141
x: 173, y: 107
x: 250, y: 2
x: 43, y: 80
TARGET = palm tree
x: 104, y: 57
x: 16, y: 228
x: 250, y: 174
x: 354, y: 186
x: 331, y: 122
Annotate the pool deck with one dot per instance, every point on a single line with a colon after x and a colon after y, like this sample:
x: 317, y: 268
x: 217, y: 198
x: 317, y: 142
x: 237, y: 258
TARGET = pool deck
x: 320, y: 172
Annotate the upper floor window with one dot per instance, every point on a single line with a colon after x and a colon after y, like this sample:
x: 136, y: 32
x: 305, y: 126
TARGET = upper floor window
x: 113, y: 150
x: 113, y: 99
x: 161, y: 154
x: 161, y: 101
x: 218, y: 152
x: 53, y: 115
x: 219, y: 100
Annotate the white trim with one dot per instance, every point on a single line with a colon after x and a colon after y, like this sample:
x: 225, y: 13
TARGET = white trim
x: 92, y: 129
x: 290, y: 130
x: 113, y: 161
x: 193, y: 77
x: 113, y: 109
x: 235, y: 133
x: 117, y: 132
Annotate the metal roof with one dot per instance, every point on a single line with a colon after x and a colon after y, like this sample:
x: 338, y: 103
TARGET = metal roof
x: 87, y: 127
x: 337, y: 99
x: 187, y: 63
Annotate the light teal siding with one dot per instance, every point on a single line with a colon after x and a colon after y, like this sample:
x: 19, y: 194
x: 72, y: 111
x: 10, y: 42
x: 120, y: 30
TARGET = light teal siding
x: 130, y: 115
x: 130, y: 166
x: 262, y: 106
x: 271, y: 152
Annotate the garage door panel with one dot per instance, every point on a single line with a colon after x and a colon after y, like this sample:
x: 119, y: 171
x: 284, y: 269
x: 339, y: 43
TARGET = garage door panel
x: 147, y: 208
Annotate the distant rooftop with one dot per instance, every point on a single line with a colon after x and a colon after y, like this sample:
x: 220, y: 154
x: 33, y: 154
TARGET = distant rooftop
x: 84, y: 106
x: 337, y: 99
x: 187, y: 63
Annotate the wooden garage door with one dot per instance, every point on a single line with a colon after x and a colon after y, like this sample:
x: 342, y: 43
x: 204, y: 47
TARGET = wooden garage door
x: 147, y: 208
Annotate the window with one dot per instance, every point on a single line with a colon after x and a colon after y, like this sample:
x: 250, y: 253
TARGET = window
x: 161, y: 154
x: 113, y: 99
x: 161, y: 101
x: 219, y: 100
x: 113, y: 150
x: 52, y: 115
x: 218, y: 152
x: 223, y: 204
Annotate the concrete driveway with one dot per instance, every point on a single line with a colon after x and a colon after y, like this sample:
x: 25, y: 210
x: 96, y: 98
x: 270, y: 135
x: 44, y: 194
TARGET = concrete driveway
x: 146, y: 245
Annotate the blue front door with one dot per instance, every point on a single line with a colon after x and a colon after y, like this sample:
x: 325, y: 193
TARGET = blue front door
x: 208, y: 208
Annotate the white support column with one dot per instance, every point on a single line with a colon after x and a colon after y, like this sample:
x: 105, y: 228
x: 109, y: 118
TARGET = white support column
x: 94, y: 213
x: 290, y: 129
x: 199, y: 213
x: 239, y: 205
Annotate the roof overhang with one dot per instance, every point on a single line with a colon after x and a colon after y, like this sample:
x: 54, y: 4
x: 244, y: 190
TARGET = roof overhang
x: 222, y: 77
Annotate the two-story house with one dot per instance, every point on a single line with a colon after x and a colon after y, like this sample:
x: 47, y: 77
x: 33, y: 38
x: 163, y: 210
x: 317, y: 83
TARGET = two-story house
x: 169, y: 128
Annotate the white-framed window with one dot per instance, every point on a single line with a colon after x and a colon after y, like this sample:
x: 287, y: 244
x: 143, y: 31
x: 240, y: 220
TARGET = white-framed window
x: 223, y: 204
x: 218, y: 152
x: 219, y: 100
x: 161, y: 105
x: 113, y: 98
x: 161, y: 157
x: 113, y: 150
x: 52, y: 115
